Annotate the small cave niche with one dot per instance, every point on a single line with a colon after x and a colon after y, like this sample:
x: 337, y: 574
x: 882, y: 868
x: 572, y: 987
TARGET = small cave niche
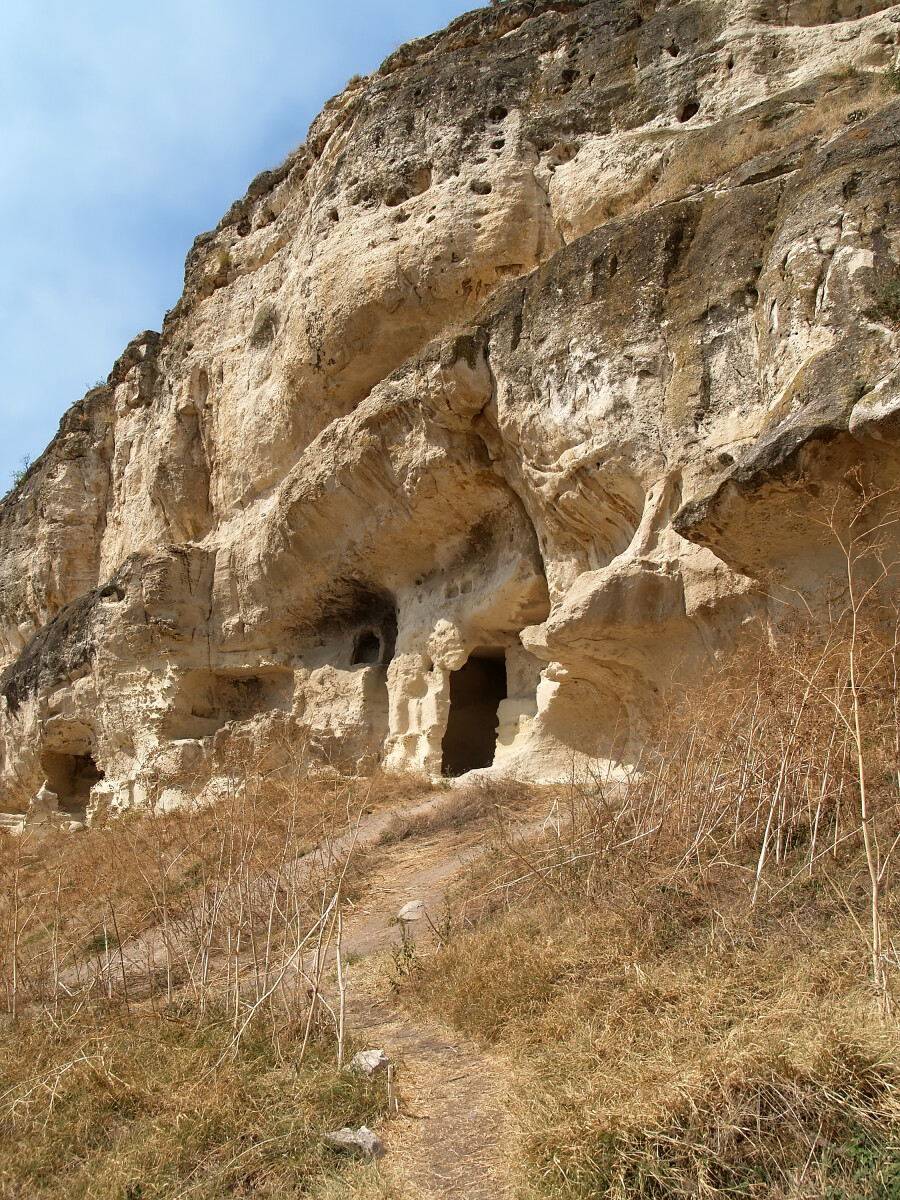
x: 70, y: 776
x: 366, y: 649
x: 208, y: 700
x: 372, y: 619
x: 476, y: 690
x: 113, y: 592
x: 359, y: 625
x: 396, y: 196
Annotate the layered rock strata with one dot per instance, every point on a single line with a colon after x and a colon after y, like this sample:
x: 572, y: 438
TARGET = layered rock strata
x: 488, y: 415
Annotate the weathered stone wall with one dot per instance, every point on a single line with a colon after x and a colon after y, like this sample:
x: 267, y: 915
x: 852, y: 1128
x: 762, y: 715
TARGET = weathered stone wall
x: 527, y: 356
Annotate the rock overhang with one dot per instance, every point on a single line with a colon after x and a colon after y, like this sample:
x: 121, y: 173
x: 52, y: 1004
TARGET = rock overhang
x: 399, y: 421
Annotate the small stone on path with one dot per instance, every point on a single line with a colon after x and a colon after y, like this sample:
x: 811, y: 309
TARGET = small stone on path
x: 369, y: 1062
x: 360, y: 1141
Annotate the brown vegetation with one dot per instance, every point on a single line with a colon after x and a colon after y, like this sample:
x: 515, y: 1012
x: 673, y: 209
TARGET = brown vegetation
x: 167, y: 1031
x: 695, y: 969
x: 692, y: 969
x: 479, y: 804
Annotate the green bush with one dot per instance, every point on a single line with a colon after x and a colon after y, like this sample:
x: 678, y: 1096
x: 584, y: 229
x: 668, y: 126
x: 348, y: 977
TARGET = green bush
x: 887, y: 305
x: 19, y: 474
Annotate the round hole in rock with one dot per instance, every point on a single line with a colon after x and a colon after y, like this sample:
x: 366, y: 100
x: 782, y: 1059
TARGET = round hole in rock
x: 690, y: 109
x: 421, y: 181
x: 480, y: 187
x: 497, y: 114
x: 476, y: 690
x: 366, y: 649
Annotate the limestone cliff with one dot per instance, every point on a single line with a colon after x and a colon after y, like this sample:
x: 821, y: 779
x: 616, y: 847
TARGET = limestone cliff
x: 484, y: 415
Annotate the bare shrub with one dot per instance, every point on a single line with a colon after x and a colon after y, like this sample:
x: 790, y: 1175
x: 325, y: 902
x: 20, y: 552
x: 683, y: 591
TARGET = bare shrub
x: 475, y: 804
x: 172, y: 1026
x: 229, y: 903
x: 694, y: 968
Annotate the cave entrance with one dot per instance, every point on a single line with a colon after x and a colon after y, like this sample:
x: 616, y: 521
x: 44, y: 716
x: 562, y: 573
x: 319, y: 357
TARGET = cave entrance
x: 366, y: 649
x: 476, y: 690
x: 71, y: 777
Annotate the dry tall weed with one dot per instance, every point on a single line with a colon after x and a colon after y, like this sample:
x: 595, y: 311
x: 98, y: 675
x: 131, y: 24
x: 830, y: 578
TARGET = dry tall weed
x: 168, y: 1028
x: 678, y: 964
x: 695, y: 968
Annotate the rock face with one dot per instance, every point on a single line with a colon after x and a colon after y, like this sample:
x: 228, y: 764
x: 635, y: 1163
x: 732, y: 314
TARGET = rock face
x: 486, y: 414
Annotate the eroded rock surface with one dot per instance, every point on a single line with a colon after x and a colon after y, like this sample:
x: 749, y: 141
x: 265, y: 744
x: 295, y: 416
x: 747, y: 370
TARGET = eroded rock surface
x: 484, y: 417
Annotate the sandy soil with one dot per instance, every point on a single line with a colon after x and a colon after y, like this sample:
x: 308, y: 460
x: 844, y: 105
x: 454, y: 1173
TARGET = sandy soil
x: 451, y: 1134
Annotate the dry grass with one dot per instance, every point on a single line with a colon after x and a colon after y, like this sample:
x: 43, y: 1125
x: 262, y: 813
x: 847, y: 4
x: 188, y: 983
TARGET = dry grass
x: 473, y: 807
x: 695, y: 971
x: 111, y: 1105
x: 361, y: 1181
x: 666, y: 1047
x: 167, y: 1029
x: 208, y: 900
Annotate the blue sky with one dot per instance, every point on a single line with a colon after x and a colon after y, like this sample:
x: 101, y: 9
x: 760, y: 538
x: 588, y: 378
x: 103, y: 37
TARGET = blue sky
x: 125, y: 130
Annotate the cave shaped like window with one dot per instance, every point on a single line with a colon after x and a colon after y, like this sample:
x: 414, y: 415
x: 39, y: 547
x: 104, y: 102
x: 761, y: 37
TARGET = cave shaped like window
x: 70, y: 777
x: 366, y: 648
x: 476, y: 691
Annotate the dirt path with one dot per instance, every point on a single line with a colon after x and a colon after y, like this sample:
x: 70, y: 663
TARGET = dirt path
x: 451, y: 1137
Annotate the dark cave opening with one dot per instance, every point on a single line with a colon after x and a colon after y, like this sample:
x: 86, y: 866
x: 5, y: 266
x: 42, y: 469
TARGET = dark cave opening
x: 366, y: 649
x: 70, y: 777
x: 476, y: 690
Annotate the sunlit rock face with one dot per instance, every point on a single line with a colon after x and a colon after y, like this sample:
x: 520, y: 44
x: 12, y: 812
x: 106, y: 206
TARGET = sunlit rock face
x: 487, y: 417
